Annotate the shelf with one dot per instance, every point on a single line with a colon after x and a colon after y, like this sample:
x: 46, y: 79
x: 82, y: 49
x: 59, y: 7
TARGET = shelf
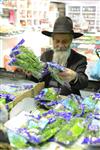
x: 4, y: 7
x: 10, y: 36
x: 71, y: 12
x: 85, y: 48
x: 90, y: 19
x: 89, y: 13
x: 83, y: 12
x: 83, y: 42
x: 27, y: 9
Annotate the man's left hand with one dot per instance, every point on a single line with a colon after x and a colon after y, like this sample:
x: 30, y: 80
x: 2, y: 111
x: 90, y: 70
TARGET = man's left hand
x: 68, y: 75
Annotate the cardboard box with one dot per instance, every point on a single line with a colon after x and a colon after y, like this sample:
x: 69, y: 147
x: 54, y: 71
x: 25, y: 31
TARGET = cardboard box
x: 27, y: 93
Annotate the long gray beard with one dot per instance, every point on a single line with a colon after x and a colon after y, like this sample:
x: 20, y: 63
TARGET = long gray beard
x: 61, y: 57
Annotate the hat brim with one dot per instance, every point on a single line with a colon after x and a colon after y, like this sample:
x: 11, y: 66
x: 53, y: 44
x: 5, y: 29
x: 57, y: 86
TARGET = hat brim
x: 75, y: 34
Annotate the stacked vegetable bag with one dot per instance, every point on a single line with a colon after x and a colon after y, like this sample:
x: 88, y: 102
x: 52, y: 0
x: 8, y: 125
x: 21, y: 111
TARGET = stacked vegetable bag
x: 24, y: 58
x: 63, y: 121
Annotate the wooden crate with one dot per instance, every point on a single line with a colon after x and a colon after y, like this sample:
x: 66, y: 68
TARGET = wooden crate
x: 27, y: 93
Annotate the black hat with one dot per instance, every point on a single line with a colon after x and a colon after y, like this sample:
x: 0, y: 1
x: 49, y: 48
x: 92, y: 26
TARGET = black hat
x: 63, y: 25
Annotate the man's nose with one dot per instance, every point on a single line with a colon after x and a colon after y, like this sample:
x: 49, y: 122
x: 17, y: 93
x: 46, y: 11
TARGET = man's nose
x: 61, y: 45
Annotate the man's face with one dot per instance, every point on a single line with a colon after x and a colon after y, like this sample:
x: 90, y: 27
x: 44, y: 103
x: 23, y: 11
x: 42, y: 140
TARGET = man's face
x: 61, y: 45
x: 61, y: 41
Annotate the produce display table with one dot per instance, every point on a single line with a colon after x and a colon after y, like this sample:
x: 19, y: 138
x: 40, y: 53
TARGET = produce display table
x: 68, y: 108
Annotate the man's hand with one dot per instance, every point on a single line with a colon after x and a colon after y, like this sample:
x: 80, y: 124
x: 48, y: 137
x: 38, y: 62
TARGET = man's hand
x: 68, y: 75
x: 21, y: 71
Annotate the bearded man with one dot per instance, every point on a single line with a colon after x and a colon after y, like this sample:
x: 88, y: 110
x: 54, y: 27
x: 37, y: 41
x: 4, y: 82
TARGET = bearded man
x: 62, y: 53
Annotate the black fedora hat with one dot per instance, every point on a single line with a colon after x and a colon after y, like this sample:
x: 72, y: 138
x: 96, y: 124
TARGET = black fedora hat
x: 63, y: 24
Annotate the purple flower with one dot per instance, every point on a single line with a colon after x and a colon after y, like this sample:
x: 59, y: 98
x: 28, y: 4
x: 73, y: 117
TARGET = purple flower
x: 52, y: 103
x: 97, y: 95
x: 91, y: 127
x: 28, y: 86
x: 8, y: 97
x: 55, y: 66
x: 12, y: 61
x: 51, y: 111
x: 45, y: 71
x: 7, y: 107
x: 97, y: 116
x: 51, y: 120
x: 2, y: 95
x: 66, y: 116
x: 43, y: 103
x: 18, y: 45
x: 38, y: 117
x: 96, y: 141
x: 14, y: 53
x: 86, y: 140
x: 40, y: 95
x: 82, y: 112
x: 32, y: 138
x: 51, y: 140
x: 78, y: 98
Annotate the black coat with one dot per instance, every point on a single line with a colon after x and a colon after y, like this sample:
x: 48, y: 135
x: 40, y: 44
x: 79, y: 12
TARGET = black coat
x: 76, y: 62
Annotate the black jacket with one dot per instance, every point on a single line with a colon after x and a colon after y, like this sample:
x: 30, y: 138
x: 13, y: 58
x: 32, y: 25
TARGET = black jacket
x: 76, y: 62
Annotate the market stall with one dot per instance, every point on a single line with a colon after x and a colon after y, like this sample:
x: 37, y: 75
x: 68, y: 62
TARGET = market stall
x: 50, y: 120
x: 56, y: 121
x: 31, y: 115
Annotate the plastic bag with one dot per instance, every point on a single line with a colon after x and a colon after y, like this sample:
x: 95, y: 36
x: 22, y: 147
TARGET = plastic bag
x: 95, y: 72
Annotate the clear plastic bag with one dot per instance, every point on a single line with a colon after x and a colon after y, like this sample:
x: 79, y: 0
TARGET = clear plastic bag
x: 95, y: 72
